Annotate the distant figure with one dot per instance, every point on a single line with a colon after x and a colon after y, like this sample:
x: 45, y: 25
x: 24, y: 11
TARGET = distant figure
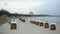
x: 20, y: 18
x: 9, y: 21
x: 23, y: 18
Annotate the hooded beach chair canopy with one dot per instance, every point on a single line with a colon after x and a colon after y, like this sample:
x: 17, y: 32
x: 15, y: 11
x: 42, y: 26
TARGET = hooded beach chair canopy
x: 13, y: 21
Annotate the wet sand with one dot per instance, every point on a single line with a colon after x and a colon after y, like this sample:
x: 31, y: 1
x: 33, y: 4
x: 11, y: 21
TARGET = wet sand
x: 28, y: 28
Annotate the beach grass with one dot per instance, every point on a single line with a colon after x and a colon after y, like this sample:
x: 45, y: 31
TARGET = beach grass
x: 3, y: 20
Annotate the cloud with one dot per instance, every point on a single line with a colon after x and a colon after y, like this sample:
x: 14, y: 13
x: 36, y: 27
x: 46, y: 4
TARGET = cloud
x: 20, y: 6
x: 36, y: 6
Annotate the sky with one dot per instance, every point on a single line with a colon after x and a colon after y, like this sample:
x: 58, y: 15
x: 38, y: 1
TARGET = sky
x: 50, y: 7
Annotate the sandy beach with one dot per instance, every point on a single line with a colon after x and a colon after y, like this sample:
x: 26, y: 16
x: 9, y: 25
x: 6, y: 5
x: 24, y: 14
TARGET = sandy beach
x: 28, y: 28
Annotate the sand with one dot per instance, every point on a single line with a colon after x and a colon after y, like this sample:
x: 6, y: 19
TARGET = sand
x: 27, y: 28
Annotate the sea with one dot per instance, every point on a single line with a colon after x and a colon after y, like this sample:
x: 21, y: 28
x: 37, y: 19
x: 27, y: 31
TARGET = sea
x: 46, y: 19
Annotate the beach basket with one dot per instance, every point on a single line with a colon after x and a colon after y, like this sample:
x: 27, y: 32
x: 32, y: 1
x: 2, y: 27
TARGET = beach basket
x: 41, y: 23
x: 37, y: 23
x: 34, y: 22
x: 46, y: 25
x: 53, y: 26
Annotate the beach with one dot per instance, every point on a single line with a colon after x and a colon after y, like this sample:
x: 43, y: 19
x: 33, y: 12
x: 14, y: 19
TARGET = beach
x: 28, y: 28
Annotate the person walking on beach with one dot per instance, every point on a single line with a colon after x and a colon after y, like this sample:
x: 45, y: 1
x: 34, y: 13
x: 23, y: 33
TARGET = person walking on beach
x: 23, y: 19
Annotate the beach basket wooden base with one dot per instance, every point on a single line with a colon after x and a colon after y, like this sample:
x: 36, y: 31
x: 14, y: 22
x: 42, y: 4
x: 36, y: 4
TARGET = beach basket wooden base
x: 52, y: 27
x: 37, y: 23
x: 46, y: 25
x: 34, y: 22
x: 13, y: 26
x: 41, y: 24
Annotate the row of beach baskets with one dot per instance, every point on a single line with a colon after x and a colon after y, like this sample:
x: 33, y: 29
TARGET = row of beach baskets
x: 52, y: 26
